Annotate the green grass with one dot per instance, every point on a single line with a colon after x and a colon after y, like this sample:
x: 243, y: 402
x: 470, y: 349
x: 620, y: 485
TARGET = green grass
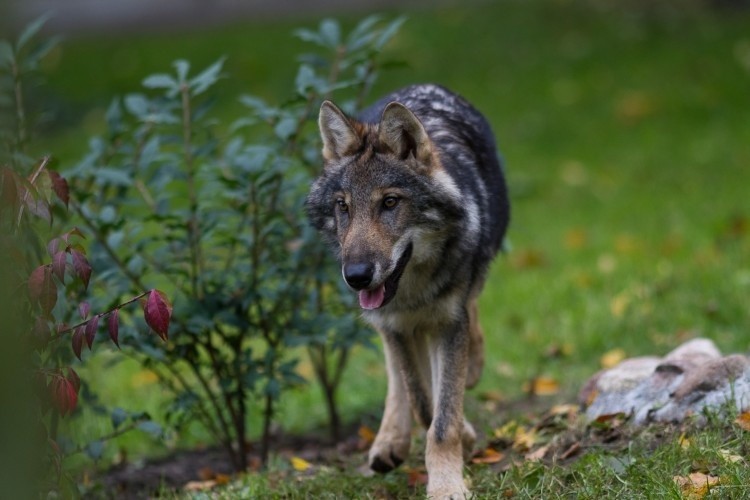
x: 625, y: 135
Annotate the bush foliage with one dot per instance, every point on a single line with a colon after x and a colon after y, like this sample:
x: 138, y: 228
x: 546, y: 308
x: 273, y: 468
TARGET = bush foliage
x: 212, y: 214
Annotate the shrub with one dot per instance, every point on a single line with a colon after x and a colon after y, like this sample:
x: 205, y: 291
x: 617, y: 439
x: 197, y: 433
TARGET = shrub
x: 216, y: 219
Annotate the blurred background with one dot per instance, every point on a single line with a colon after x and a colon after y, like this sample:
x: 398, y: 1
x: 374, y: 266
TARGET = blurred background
x: 624, y: 130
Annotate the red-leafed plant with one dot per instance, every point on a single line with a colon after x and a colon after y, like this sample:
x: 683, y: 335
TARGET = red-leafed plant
x: 40, y: 283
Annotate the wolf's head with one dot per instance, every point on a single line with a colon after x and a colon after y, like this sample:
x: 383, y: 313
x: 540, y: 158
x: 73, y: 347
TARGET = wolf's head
x: 383, y: 200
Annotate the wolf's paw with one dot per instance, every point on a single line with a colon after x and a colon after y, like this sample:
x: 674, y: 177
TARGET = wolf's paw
x: 387, y: 455
x: 457, y: 491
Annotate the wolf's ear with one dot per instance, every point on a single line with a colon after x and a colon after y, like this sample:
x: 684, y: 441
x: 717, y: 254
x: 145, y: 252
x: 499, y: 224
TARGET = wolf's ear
x: 404, y: 134
x: 339, y: 137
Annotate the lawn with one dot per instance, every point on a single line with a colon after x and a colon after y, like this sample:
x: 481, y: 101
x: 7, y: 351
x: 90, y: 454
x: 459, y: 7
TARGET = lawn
x: 624, y: 129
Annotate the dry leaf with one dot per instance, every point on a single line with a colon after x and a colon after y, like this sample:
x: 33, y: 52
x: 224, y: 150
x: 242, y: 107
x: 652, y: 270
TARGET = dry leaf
x: 222, y: 479
x: 525, y: 439
x: 366, y: 436
x: 683, y: 441
x: 542, y: 386
x: 300, y: 464
x: 199, y: 485
x: 206, y: 473
x: 728, y: 456
x: 416, y: 477
x: 488, y: 456
x: 538, y: 454
x: 696, y: 485
x: 743, y: 420
x: 570, y: 410
x: 612, y: 358
x: 507, y: 431
x: 575, y: 238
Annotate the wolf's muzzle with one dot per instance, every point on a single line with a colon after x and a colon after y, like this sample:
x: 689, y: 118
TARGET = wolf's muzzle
x: 359, y: 274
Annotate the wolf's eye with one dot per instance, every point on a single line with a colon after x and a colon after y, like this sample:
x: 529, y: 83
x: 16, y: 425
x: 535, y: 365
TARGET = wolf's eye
x: 342, y: 205
x: 390, y: 202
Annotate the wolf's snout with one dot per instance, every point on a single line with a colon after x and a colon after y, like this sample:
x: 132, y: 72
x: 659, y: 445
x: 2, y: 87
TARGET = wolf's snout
x: 359, y: 274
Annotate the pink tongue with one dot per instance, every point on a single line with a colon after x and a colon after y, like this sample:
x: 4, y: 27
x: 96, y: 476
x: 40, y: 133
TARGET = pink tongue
x: 372, y: 299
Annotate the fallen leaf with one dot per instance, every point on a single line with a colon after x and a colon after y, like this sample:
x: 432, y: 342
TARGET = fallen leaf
x: 575, y: 238
x: 366, y: 435
x: 300, y: 464
x: 683, y: 441
x: 573, y: 449
x: 488, y: 456
x: 730, y: 457
x: 416, y: 477
x: 612, y: 358
x: 569, y: 410
x: 492, y: 395
x: 222, y: 479
x: 507, y: 431
x: 199, y: 485
x: 538, y: 454
x: 743, y: 420
x: 206, y: 473
x: 542, y: 386
x: 525, y: 439
x: 619, y: 304
x: 696, y: 485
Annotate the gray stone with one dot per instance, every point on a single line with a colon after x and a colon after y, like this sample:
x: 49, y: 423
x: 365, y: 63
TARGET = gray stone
x: 691, y: 378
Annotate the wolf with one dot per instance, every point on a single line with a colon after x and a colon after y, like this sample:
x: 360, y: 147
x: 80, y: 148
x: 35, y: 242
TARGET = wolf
x: 413, y: 200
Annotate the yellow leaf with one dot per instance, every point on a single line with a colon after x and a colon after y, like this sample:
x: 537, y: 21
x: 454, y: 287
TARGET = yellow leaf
x: 542, y: 386
x: 730, y: 457
x: 696, y: 485
x: 575, y: 238
x: 366, y: 435
x: 743, y: 420
x: 524, y: 439
x: 568, y: 410
x: 507, y: 431
x: 619, y: 304
x: 300, y: 464
x: 683, y: 441
x: 612, y: 358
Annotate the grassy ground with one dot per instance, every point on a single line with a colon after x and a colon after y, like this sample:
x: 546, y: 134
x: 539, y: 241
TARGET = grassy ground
x: 625, y: 135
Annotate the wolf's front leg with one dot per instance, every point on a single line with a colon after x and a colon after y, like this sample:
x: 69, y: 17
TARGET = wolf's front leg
x: 450, y: 437
x: 391, y: 445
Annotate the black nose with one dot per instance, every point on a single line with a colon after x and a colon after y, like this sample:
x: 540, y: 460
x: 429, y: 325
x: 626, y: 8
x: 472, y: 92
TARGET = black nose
x: 359, y: 275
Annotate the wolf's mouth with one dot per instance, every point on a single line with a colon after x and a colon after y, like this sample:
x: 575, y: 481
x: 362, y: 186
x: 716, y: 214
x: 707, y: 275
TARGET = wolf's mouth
x: 380, y: 296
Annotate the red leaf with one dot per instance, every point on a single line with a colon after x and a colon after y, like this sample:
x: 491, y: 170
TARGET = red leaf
x: 82, y: 267
x: 59, y: 261
x: 78, y: 341
x: 91, y: 327
x: 74, y: 379
x: 157, y: 311
x: 59, y: 186
x: 83, y: 309
x: 113, y: 326
x: 65, y: 395
x: 42, y: 288
x: 53, y: 246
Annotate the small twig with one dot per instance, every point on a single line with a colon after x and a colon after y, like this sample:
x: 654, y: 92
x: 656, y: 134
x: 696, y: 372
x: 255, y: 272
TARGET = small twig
x: 32, y: 180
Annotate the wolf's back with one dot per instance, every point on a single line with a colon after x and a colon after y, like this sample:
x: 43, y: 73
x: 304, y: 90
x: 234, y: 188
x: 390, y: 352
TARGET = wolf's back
x: 467, y: 152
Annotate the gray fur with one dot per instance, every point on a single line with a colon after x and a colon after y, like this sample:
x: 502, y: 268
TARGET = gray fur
x: 412, y: 197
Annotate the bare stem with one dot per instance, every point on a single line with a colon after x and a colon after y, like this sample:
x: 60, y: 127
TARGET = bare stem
x: 194, y: 236
x: 42, y: 165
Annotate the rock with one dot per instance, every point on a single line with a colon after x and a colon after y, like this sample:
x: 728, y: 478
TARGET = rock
x: 688, y: 380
